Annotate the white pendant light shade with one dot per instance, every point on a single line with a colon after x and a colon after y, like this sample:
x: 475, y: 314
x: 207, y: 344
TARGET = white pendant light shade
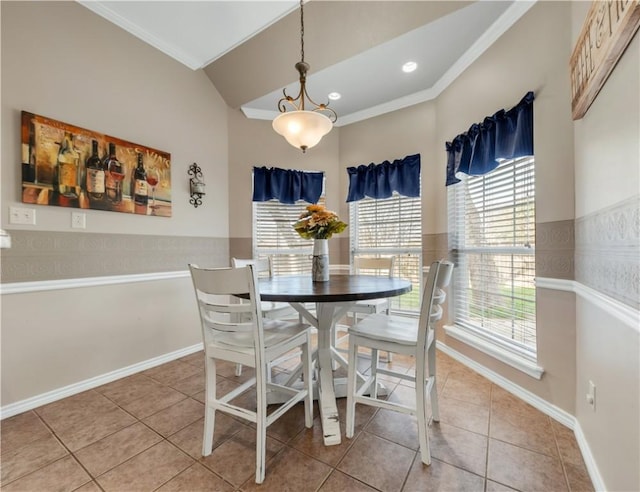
x: 302, y: 129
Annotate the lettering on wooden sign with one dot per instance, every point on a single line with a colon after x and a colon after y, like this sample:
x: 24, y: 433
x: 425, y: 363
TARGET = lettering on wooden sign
x: 609, y: 28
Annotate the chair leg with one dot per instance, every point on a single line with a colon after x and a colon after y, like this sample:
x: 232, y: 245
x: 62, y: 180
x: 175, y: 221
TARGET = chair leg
x: 261, y: 424
x: 375, y: 359
x: 308, y: 382
x: 351, y: 387
x: 238, y: 369
x: 421, y: 411
x: 209, y: 412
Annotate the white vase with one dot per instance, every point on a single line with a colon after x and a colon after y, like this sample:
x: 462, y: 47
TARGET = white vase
x: 320, y: 260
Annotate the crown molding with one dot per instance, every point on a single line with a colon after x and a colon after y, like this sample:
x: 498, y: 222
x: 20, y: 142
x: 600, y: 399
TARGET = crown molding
x: 103, y: 11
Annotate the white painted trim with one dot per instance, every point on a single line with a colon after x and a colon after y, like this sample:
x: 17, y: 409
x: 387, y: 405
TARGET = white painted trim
x: 132, y: 28
x: 617, y: 309
x: 556, y: 413
x: 589, y: 460
x: 388, y: 107
x: 87, y: 384
x: 490, y: 36
x: 551, y: 410
x: 509, y: 357
x: 78, y: 283
x: 259, y: 114
x: 555, y: 284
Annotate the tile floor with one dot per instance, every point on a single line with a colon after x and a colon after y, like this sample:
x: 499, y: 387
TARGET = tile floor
x: 144, y: 433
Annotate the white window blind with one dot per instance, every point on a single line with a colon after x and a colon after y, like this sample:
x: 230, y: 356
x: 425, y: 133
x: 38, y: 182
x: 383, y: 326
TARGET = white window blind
x: 391, y: 227
x: 492, y: 237
x: 273, y: 235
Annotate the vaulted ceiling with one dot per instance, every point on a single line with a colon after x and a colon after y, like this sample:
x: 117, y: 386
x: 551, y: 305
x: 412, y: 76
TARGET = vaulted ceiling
x: 357, y: 48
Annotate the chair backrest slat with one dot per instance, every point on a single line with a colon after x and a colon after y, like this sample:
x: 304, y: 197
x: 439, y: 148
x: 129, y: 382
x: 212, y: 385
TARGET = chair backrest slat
x: 215, y: 285
x: 365, y: 264
x: 264, y: 266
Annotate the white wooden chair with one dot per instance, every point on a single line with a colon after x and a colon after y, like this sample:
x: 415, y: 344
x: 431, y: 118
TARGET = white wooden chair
x: 264, y: 267
x: 270, y: 309
x: 402, y: 335
x: 236, y: 332
x: 372, y: 266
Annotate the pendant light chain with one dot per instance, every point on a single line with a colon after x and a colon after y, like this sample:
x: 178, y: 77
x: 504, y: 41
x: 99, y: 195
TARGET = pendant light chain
x: 301, y: 31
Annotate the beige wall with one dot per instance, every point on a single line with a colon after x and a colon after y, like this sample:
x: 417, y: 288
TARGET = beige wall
x: 62, y: 337
x: 531, y: 56
x: 607, y: 143
x: 99, y: 77
x: 62, y: 61
x: 607, y: 150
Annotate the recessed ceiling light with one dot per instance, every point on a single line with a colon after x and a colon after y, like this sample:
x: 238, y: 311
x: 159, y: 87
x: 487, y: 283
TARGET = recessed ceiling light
x: 409, y: 67
x: 334, y: 96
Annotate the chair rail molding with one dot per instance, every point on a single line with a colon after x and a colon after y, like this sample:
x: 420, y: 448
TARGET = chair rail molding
x: 78, y: 283
x: 621, y: 311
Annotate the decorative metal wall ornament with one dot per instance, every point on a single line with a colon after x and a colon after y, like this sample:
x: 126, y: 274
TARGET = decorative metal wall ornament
x: 303, y: 128
x: 196, y: 185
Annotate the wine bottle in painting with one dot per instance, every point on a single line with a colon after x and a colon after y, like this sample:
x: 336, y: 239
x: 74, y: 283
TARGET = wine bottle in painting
x: 140, y: 187
x: 95, y: 178
x: 114, y: 175
x: 67, y: 167
x: 29, y: 157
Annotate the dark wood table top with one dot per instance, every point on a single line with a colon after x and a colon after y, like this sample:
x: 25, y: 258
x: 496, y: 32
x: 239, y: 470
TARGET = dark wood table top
x: 339, y: 288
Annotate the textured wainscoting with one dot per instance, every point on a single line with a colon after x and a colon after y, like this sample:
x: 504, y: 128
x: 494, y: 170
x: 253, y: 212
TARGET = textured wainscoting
x: 42, y: 255
x: 607, y: 256
x: 555, y: 249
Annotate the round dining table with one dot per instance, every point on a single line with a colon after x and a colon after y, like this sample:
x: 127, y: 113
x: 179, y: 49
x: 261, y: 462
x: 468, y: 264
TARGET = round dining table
x: 332, y: 300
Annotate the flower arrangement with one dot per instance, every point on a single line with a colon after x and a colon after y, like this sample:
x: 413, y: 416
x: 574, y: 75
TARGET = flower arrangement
x: 316, y: 222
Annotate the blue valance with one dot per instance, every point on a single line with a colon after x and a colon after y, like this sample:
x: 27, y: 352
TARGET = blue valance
x: 505, y: 135
x: 286, y: 185
x: 381, y: 180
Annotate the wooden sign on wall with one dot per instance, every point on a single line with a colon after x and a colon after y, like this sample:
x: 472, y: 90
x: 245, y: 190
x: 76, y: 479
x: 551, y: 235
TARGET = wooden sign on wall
x: 609, y: 28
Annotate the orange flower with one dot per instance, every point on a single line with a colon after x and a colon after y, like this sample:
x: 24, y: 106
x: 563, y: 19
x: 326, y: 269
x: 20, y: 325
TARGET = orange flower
x: 316, y: 222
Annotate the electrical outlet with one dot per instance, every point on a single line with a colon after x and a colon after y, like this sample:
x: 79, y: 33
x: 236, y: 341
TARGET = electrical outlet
x: 591, y: 395
x: 20, y: 215
x: 78, y: 220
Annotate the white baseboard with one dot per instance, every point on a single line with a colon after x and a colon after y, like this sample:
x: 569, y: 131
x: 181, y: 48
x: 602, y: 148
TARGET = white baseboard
x: 589, y: 461
x: 87, y: 384
x: 556, y: 413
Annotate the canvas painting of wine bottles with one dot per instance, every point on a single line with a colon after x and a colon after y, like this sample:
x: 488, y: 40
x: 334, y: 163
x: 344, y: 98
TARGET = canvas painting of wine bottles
x: 69, y: 166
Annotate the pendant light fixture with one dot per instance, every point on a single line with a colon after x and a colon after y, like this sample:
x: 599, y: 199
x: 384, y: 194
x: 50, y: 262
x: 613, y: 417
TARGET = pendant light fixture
x: 303, y: 127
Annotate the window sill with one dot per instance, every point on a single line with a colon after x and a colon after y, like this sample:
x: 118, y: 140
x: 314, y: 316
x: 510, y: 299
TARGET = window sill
x: 510, y: 358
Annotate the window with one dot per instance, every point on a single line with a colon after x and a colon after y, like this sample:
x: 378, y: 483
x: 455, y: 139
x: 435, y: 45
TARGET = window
x: 273, y: 235
x: 391, y: 227
x: 492, y: 237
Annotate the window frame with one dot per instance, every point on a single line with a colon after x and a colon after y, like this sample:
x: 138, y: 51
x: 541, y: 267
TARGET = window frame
x: 403, y: 253
x: 299, y: 250
x: 521, y: 194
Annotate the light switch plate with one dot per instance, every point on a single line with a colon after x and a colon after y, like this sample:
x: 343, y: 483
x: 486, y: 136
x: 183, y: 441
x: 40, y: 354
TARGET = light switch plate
x: 21, y: 215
